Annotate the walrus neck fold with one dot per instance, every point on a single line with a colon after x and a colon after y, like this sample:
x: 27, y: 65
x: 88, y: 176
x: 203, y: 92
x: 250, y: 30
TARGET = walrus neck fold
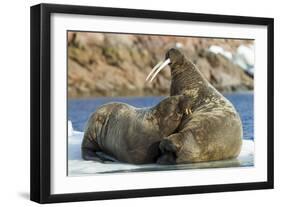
x: 186, y: 77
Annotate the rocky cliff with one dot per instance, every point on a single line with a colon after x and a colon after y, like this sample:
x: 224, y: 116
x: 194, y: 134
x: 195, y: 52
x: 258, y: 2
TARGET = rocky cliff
x: 106, y: 64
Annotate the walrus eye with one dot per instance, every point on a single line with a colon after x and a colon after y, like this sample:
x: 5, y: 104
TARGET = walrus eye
x: 157, y: 69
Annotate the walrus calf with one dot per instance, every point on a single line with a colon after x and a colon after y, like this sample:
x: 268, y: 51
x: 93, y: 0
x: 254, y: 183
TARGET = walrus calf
x: 212, y: 130
x: 131, y: 134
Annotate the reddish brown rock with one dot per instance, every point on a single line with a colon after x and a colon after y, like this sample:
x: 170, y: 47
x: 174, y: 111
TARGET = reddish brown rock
x: 105, y: 64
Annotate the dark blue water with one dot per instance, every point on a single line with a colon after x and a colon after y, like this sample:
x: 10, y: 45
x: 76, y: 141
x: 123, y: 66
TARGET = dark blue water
x: 80, y: 109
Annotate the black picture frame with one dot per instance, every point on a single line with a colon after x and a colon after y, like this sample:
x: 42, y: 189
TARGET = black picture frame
x: 41, y: 98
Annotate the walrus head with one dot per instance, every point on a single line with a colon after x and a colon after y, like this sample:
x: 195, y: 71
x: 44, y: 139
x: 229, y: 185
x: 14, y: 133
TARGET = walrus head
x: 173, y: 57
x: 169, y: 113
x: 185, y: 75
x: 176, y: 58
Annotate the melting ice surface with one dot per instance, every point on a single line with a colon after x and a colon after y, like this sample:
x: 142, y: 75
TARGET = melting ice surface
x: 79, y: 110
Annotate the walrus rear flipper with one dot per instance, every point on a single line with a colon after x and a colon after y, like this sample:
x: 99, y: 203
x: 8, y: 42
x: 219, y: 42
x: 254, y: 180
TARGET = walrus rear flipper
x: 88, y: 154
x: 90, y: 151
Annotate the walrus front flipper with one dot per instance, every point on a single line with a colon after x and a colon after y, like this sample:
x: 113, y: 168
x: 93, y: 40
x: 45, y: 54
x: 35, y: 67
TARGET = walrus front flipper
x: 168, y: 155
x: 167, y: 158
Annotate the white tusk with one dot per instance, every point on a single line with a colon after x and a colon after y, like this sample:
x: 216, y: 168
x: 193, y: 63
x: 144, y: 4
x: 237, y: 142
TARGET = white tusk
x: 160, y: 68
x: 154, y: 68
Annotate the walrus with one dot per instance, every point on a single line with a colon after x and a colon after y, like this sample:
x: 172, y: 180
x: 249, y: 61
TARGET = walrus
x: 130, y: 134
x: 212, y: 130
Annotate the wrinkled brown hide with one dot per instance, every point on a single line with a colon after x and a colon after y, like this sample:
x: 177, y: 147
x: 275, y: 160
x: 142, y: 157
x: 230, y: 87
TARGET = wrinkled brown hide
x: 131, y: 134
x: 212, y: 130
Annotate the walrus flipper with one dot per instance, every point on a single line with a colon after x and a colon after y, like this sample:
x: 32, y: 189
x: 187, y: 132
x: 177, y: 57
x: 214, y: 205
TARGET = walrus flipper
x: 88, y: 155
x: 168, y: 153
x: 90, y: 151
x: 167, y: 159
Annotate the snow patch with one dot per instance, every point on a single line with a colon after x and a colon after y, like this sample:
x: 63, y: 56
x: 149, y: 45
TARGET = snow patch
x: 243, y: 57
x: 219, y: 50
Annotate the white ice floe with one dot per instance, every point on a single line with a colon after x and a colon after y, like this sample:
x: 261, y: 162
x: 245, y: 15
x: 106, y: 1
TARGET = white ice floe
x: 79, y: 167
